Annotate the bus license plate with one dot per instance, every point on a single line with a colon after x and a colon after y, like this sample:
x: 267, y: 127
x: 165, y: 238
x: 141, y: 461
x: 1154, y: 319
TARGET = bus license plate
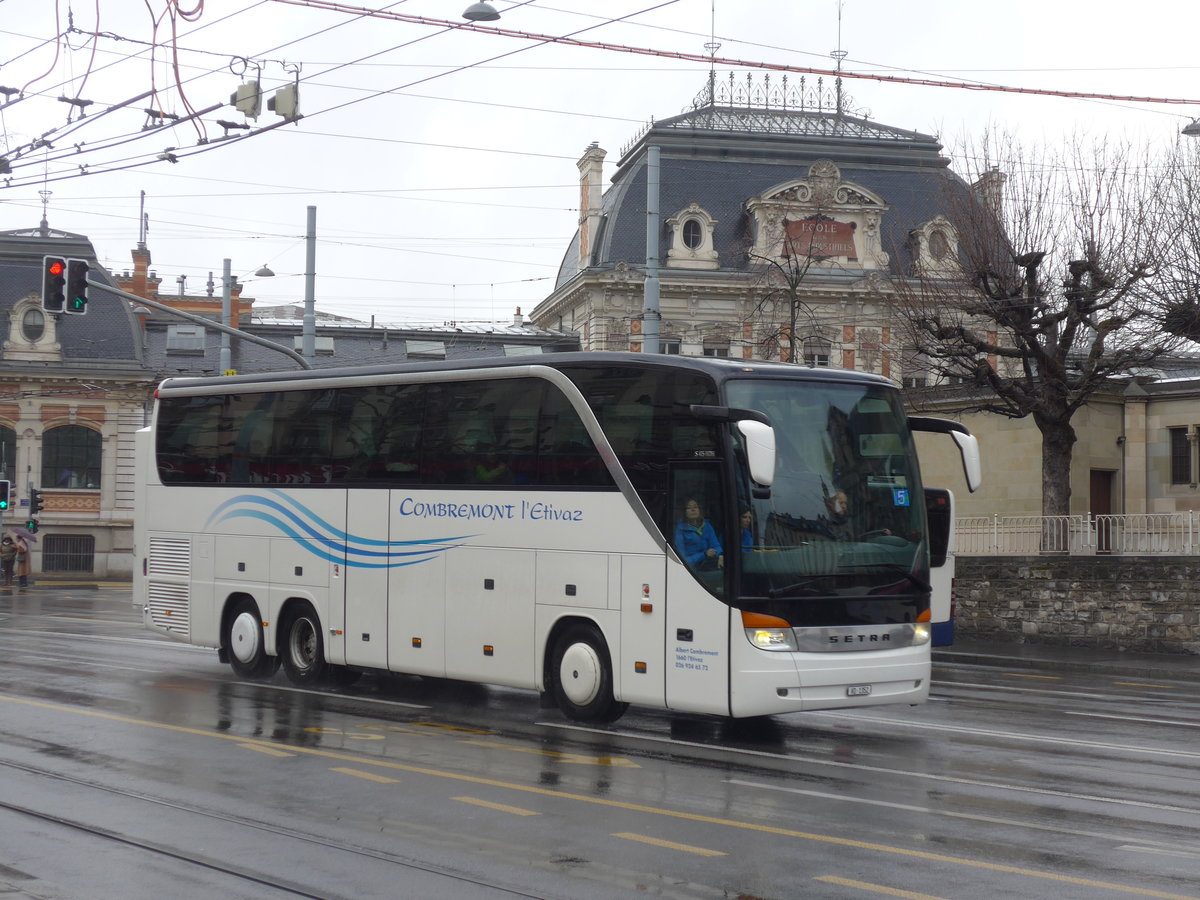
x: 858, y: 690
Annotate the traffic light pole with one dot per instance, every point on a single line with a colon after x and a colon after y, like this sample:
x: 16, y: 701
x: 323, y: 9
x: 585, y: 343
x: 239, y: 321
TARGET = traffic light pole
x: 207, y: 323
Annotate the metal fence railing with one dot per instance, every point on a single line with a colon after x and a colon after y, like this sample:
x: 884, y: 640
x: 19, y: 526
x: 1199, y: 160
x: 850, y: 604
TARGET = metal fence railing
x: 1165, y: 534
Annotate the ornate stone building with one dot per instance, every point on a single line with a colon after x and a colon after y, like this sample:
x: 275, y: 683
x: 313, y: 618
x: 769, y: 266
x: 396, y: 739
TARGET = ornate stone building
x: 73, y: 390
x: 781, y: 217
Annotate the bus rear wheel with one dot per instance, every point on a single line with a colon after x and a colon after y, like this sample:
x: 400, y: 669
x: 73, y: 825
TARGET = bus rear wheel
x: 244, y: 644
x: 583, y: 683
x: 303, y: 648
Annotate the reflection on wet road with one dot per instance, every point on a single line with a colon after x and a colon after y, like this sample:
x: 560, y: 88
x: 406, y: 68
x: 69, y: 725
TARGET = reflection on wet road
x: 132, y: 767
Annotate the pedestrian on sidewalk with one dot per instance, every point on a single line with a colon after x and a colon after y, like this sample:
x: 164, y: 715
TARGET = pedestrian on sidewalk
x: 23, y: 565
x: 8, y: 560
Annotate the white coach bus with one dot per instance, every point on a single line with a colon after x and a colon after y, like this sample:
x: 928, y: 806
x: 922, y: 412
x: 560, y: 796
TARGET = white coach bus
x: 713, y: 536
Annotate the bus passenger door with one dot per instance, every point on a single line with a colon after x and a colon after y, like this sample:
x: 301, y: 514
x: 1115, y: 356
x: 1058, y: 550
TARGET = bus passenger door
x: 698, y: 622
x: 365, y: 579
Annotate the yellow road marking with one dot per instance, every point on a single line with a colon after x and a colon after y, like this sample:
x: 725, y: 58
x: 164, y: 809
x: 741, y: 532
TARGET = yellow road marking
x: 609, y: 803
x: 1165, y: 687
x: 445, y: 727
x: 669, y: 845
x: 368, y: 776
x: 499, y: 807
x: 269, y: 751
x: 875, y: 888
x: 1042, y: 677
x: 571, y: 759
x: 350, y: 735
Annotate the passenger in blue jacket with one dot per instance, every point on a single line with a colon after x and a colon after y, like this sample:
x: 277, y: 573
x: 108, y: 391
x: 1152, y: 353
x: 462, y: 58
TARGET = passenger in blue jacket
x: 696, y: 540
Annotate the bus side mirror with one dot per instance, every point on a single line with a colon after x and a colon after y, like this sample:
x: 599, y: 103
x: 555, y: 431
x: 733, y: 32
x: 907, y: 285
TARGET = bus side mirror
x: 968, y: 447
x: 760, y: 450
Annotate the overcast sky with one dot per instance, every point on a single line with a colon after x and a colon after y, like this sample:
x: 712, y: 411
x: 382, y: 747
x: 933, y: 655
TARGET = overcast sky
x: 442, y: 162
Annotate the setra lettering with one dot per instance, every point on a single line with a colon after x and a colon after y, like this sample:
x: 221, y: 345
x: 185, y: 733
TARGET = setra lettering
x: 860, y: 638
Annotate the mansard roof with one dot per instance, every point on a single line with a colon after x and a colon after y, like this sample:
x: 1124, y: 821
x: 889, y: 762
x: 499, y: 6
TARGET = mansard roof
x: 108, y: 331
x: 737, y: 143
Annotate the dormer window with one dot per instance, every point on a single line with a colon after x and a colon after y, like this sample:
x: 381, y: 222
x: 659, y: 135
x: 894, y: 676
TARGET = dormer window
x: 32, y: 335
x: 935, y: 246
x: 692, y: 239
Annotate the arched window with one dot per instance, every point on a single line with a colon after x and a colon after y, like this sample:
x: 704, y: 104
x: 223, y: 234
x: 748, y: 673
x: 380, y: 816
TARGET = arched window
x: 939, y: 246
x: 33, y: 325
x: 71, y: 457
x: 693, y: 234
x: 8, y: 453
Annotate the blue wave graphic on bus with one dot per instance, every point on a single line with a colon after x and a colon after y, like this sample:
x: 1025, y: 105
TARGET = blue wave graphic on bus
x: 302, y: 525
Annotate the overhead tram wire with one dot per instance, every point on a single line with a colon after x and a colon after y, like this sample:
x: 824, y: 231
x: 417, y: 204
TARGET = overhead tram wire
x: 182, y: 153
x: 76, y: 153
x: 707, y: 59
x: 470, y: 27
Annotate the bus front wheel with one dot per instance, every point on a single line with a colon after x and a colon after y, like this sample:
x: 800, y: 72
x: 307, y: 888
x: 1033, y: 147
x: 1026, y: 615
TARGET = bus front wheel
x: 243, y: 642
x: 303, y: 648
x: 583, y: 684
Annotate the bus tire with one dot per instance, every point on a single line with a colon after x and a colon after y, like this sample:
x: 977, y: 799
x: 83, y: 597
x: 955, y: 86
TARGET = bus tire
x: 244, y: 643
x: 303, y: 648
x: 582, y: 672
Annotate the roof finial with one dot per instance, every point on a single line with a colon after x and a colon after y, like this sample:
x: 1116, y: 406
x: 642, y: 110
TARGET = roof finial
x: 45, y: 226
x: 712, y: 47
x: 839, y: 54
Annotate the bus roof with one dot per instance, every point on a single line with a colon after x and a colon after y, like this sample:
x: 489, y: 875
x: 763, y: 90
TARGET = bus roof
x: 720, y: 369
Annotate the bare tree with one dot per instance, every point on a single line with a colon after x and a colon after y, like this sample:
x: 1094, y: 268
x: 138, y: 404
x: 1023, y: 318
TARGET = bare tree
x: 1181, y: 197
x: 780, y: 280
x: 1055, y: 287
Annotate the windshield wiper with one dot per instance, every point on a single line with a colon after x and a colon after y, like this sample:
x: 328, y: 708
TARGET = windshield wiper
x: 893, y: 567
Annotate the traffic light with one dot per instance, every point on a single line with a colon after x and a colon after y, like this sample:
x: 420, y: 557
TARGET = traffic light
x: 5, y: 492
x: 35, y: 501
x: 31, y: 526
x: 54, y: 282
x: 77, y: 287
x: 286, y: 102
x: 247, y: 99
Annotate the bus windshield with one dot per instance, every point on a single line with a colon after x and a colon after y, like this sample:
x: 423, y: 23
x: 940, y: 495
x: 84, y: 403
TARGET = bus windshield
x: 844, y: 519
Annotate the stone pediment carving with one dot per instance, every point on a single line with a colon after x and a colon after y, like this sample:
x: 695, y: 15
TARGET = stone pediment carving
x: 822, y: 196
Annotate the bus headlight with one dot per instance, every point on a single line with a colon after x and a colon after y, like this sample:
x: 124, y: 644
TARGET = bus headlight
x: 922, y: 633
x: 768, y: 632
x: 772, y: 638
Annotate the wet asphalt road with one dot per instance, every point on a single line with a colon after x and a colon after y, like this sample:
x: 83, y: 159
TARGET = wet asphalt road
x: 133, y: 767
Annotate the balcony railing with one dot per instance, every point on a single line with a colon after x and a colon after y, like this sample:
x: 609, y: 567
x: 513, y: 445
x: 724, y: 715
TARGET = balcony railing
x: 1162, y: 534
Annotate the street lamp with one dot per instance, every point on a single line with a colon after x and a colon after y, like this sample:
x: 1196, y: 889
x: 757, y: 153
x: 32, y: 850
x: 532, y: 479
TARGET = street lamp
x: 481, y: 12
x: 1192, y: 130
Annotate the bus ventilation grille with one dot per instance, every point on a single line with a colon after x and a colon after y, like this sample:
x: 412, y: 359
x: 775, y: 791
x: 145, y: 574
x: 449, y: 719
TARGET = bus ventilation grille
x: 169, y: 607
x: 171, y: 557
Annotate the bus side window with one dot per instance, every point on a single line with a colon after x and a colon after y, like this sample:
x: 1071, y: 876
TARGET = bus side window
x: 517, y: 403
x: 566, y: 454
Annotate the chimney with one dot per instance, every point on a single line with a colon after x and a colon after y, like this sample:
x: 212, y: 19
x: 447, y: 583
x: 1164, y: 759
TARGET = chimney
x: 518, y: 319
x: 140, y: 284
x: 990, y: 189
x: 591, y: 195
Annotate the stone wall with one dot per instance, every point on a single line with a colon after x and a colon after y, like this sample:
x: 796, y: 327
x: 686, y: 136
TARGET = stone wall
x: 1139, y: 603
